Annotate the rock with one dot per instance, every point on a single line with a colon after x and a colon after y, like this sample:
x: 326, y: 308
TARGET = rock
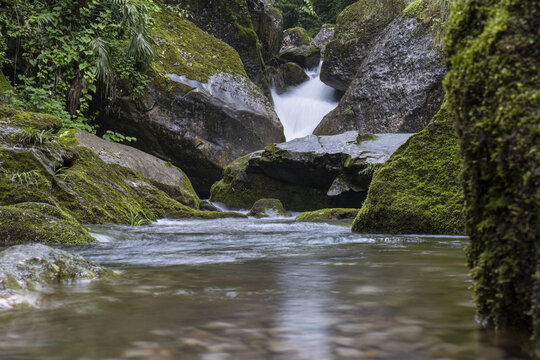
x: 307, y: 56
x: 33, y: 267
x: 268, y: 207
x: 295, y: 37
x: 285, y: 75
x: 200, y: 110
x: 494, y: 99
x: 357, y: 26
x: 206, y: 205
x: 39, y: 222
x: 328, y: 214
x: 43, y: 166
x: 163, y: 175
x: 325, y: 35
x: 301, y: 172
x: 268, y: 24
x: 231, y: 22
x: 397, y: 88
x: 418, y: 189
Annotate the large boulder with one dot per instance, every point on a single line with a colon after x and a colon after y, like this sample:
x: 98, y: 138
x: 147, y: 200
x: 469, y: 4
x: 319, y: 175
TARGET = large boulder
x: 39, y: 164
x: 398, y: 86
x: 268, y: 24
x: 26, y: 269
x: 163, y: 175
x: 200, y: 110
x: 323, y: 37
x: 308, y: 173
x: 231, y: 22
x: 307, y: 56
x: 493, y: 88
x: 418, y: 189
x: 285, y: 75
x: 357, y: 26
x: 295, y: 37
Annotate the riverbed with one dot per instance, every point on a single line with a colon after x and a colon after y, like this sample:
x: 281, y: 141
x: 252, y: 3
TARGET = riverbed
x: 256, y: 289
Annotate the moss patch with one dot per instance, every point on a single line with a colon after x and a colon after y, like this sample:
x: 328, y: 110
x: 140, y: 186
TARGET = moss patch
x: 328, y: 214
x: 184, y: 49
x: 417, y: 190
x: 413, y: 9
x: 493, y: 93
x: 299, y: 35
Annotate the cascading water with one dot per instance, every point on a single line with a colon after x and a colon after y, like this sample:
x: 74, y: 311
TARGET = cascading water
x: 302, y: 107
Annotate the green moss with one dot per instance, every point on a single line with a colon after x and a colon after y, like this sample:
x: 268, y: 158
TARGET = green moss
x: 417, y: 190
x: 5, y: 86
x: 298, y: 33
x: 366, y: 18
x: 36, y: 222
x: 328, y: 214
x: 493, y: 93
x: 184, y: 49
x: 414, y: 9
x: 24, y: 119
x: 365, y: 137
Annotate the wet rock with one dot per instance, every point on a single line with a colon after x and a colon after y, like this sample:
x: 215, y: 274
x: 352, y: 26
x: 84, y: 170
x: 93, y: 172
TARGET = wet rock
x: 418, y: 190
x: 33, y: 267
x: 307, y: 56
x: 301, y: 172
x: 200, y: 110
x: 39, y: 222
x: 295, y: 37
x: 397, y: 88
x: 268, y: 207
x: 328, y: 214
x: 356, y: 28
x: 206, y: 205
x: 285, y: 75
x: 163, y: 175
x: 268, y: 24
x: 325, y: 35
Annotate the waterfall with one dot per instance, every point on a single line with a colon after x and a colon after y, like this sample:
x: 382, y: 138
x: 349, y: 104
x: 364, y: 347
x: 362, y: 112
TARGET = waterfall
x: 301, y: 108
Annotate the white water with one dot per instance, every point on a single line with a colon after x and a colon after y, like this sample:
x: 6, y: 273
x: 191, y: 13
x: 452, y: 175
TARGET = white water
x: 301, y: 108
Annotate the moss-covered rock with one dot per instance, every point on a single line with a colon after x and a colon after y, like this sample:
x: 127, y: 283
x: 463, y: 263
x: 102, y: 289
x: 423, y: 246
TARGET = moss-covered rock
x: 200, y: 110
x: 328, y: 214
x: 494, y: 94
x: 268, y: 207
x: 307, y: 56
x: 295, y: 37
x: 39, y: 222
x: 357, y: 25
x: 418, y: 190
x: 285, y: 75
x: 268, y: 24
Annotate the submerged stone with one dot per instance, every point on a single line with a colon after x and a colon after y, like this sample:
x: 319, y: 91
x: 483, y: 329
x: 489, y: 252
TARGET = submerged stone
x: 268, y: 207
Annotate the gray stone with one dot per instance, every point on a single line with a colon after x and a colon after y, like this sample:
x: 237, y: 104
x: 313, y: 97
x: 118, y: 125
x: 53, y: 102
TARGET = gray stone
x: 324, y: 36
x: 307, y: 56
x: 285, y: 75
x: 268, y: 207
x: 397, y: 88
x: 31, y: 268
x: 163, y: 175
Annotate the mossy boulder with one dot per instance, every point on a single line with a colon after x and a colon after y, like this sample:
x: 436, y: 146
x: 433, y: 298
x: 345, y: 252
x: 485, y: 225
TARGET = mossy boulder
x: 231, y: 22
x: 398, y: 88
x: 268, y: 207
x: 494, y: 95
x: 268, y: 24
x: 357, y: 26
x: 200, y: 110
x: 328, y: 215
x: 307, y: 56
x: 285, y: 75
x: 308, y: 173
x: 39, y: 222
x: 295, y: 37
x: 418, y: 190
x: 32, y: 268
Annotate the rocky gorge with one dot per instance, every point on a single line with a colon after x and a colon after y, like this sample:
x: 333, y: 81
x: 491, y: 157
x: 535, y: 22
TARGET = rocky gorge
x: 207, y: 120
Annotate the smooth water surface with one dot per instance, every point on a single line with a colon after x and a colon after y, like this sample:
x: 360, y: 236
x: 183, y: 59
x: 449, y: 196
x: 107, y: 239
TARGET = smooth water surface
x: 301, y: 108
x: 256, y: 289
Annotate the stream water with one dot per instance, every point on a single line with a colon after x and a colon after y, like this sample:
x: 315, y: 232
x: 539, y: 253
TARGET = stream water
x: 301, y: 108
x: 257, y: 289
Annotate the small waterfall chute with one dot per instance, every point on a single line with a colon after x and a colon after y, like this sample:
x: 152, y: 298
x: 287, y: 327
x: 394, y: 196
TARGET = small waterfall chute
x: 301, y: 108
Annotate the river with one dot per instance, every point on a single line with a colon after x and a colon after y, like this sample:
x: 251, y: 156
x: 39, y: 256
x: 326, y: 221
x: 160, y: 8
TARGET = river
x: 256, y: 289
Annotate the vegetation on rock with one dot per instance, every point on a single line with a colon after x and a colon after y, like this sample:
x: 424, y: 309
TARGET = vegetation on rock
x: 494, y: 95
x: 328, y: 214
x: 417, y: 190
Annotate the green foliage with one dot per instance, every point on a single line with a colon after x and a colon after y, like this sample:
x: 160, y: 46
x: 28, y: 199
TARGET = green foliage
x: 117, y: 137
x: 27, y: 178
x: 69, y: 53
x: 310, y: 15
x: 30, y: 135
x: 493, y: 93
